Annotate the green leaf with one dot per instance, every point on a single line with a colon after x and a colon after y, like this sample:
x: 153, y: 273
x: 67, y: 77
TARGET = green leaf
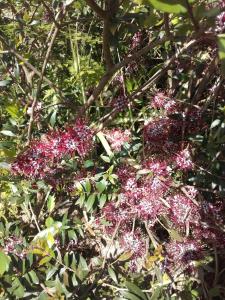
x: 44, y: 260
x: 88, y: 164
x: 4, y: 263
x: 53, y: 118
x: 156, y: 294
x: 7, y: 133
x: 221, y: 45
x: 33, y: 277
x: 175, y: 235
x: 19, y: 292
x: 90, y: 202
x: 130, y: 296
x: 83, y: 263
x: 171, y: 6
x: 51, y: 203
x: 80, y: 200
x: 125, y: 256
x: 136, y: 290
x: 87, y: 186
x: 4, y: 83
x: 112, y: 274
x: 105, y: 158
x: 102, y: 200
x: 51, y: 272
x: 49, y: 222
x: 48, y: 233
x: 215, y: 123
x: 13, y: 110
x: 101, y: 186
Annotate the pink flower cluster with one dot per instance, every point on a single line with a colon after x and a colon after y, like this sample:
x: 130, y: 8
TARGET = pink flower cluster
x: 120, y: 102
x: 183, y: 160
x: 117, y: 138
x: 42, y: 157
x: 136, y: 40
x: 11, y: 244
x: 141, y: 201
x: 221, y: 22
x: 183, y: 211
x: 162, y: 101
x: 183, y: 252
x: 150, y: 195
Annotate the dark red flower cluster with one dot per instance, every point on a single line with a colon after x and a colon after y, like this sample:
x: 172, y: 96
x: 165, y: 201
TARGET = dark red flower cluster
x: 150, y: 196
x: 43, y: 157
x: 169, y: 133
x: 181, y: 255
x: 120, y: 102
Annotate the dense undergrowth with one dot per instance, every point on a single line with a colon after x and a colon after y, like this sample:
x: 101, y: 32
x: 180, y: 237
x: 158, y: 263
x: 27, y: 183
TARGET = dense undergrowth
x: 112, y: 149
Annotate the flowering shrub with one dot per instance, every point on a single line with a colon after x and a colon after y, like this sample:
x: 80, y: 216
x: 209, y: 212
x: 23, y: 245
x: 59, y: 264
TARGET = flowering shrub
x: 129, y: 204
x: 42, y: 157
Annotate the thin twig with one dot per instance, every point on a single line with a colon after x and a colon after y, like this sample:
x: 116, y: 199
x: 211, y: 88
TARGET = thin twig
x: 34, y: 217
x: 109, y: 74
x: 110, y: 243
x: 191, y: 15
x: 40, y: 83
x: 97, y: 9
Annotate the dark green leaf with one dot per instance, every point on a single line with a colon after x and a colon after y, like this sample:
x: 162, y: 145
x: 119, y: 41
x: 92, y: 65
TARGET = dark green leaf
x: 136, y: 290
x: 171, y: 6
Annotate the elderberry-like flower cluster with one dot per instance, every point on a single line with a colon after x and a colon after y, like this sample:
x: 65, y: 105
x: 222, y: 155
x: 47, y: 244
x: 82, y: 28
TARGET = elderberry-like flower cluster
x: 150, y: 196
x: 162, y: 101
x: 117, y: 138
x: 42, y: 157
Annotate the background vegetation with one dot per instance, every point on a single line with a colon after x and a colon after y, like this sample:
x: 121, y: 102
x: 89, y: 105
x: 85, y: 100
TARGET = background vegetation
x: 112, y: 149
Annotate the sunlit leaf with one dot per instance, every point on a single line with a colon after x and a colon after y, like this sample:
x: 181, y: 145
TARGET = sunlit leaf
x: 4, y: 262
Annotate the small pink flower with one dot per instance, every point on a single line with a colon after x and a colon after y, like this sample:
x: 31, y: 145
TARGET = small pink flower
x: 159, y: 100
x: 117, y: 138
x: 221, y: 22
x: 183, y: 160
x: 184, y: 252
x: 120, y: 102
x: 171, y: 106
x: 183, y: 210
x: 158, y: 167
x: 136, y: 40
x: 134, y: 242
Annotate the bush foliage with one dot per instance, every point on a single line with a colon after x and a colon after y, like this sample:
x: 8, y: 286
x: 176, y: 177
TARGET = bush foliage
x: 112, y: 149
